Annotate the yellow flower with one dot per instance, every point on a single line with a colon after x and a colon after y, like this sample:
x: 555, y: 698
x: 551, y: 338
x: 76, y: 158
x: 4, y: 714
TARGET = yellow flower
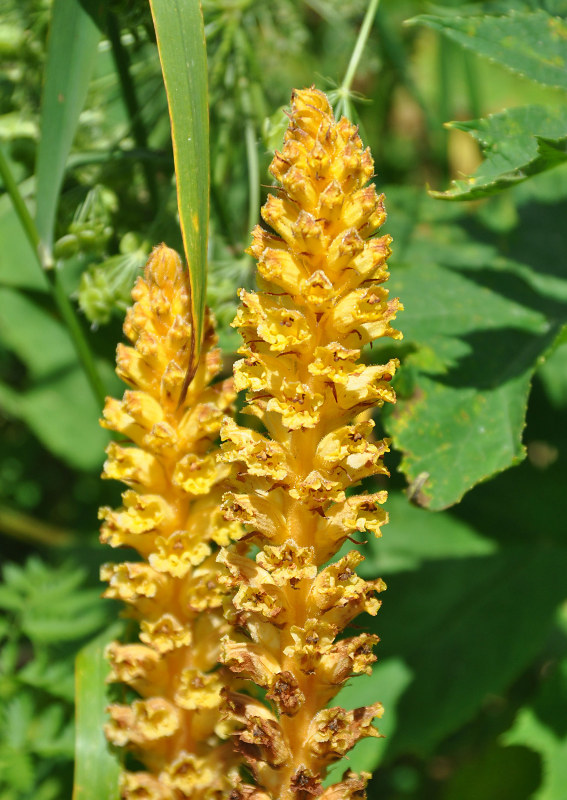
x: 322, y: 297
x: 171, y: 515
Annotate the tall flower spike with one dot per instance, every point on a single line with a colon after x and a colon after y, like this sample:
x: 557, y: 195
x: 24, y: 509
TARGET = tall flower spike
x: 171, y: 516
x: 321, y: 298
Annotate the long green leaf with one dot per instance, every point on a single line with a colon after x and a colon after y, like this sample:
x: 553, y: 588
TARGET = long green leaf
x: 96, y: 768
x: 181, y: 44
x: 517, y: 143
x: 531, y: 43
x: 71, y: 54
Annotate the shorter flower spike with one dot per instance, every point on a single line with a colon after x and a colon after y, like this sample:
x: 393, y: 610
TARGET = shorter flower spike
x: 171, y: 516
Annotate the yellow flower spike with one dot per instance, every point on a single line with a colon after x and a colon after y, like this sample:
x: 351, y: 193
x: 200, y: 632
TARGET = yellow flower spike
x: 171, y: 515
x: 321, y: 275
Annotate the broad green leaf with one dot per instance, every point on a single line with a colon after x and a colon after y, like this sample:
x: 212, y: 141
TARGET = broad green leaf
x: 18, y: 262
x: 465, y: 629
x: 553, y: 373
x: 542, y: 727
x: 58, y: 406
x: 33, y: 334
x: 533, y: 43
x: 414, y: 535
x: 72, y: 49
x: 498, y: 773
x: 468, y: 627
x: 478, y: 323
x: 517, y: 144
x: 462, y: 415
x: 181, y: 44
x: 96, y: 768
x: 387, y: 683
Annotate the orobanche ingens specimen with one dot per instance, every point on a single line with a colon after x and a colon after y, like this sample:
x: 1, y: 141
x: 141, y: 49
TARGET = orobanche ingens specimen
x: 321, y: 298
x: 171, y: 516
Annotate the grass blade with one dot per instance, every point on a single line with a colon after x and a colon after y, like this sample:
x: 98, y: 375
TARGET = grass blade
x: 71, y: 53
x: 96, y: 768
x: 181, y: 44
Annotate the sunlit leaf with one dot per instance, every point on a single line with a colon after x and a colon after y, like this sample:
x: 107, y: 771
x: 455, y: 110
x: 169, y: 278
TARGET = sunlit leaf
x: 96, y: 768
x: 516, y: 144
x: 181, y: 44
x: 479, y: 324
x: 72, y: 49
x: 533, y: 43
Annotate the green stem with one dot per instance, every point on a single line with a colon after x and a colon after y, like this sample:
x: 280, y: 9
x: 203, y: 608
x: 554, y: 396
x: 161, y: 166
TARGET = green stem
x: 251, y: 156
x: 363, y: 35
x: 130, y: 98
x: 60, y: 298
x: 19, y: 206
x: 28, y: 529
x: 444, y: 83
x: 471, y: 78
x: 394, y: 51
x: 241, y: 48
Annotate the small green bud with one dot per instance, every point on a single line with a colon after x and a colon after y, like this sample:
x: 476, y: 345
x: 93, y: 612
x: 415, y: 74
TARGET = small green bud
x: 66, y: 247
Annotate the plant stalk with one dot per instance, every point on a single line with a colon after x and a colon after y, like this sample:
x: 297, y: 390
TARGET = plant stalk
x: 60, y: 298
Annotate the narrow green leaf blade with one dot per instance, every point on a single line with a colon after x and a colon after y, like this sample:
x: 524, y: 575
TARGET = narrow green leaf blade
x: 71, y: 54
x: 181, y: 44
x: 96, y: 768
x: 517, y: 144
x: 532, y: 43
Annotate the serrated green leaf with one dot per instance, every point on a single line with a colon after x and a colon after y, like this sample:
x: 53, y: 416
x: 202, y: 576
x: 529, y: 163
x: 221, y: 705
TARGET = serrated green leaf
x: 72, y: 49
x: 473, y: 373
x: 96, y: 768
x: 532, y: 43
x: 181, y: 44
x: 517, y: 144
x: 16, y: 770
x: 487, y: 323
x: 51, y: 630
x: 17, y: 718
x: 10, y: 600
x: 54, y: 677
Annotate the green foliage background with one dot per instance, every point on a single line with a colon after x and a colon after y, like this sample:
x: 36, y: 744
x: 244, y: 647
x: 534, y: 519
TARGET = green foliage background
x: 466, y: 98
